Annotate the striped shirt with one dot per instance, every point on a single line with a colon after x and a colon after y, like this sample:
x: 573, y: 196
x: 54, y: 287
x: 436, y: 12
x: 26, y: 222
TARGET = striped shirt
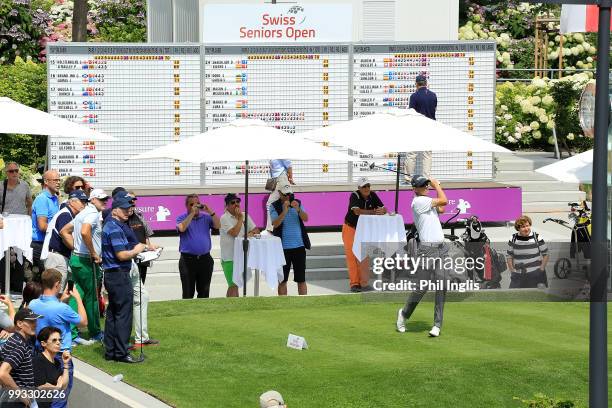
x: 527, y: 251
x: 18, y: 354
x: 114, y: 239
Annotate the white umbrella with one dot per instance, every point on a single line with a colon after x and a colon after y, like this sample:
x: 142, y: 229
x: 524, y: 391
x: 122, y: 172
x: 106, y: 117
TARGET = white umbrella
x: 244, y: 140
x: 576, y: 169
x: 400, y: 130
x: 18, y: 118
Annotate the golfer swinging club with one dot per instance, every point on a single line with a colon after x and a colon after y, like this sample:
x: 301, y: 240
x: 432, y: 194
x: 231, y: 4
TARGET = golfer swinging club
x: 431, y: 248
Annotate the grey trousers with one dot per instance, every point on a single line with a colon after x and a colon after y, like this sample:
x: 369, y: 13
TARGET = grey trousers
x: 434, y: 274
x: 410, y: 164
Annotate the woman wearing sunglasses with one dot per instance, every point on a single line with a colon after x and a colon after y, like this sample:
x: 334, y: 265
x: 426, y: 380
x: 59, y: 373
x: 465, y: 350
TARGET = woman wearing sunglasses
x: 47, y: 371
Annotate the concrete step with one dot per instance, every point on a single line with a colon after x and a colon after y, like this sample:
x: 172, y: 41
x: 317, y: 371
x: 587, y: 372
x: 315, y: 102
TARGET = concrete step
x: 562, y: 197
x: 540, y: 186
x: 518, y: 176
x: 545, y: 207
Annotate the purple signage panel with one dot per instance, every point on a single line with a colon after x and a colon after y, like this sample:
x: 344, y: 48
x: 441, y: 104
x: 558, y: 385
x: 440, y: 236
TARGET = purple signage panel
x: 329, y: 208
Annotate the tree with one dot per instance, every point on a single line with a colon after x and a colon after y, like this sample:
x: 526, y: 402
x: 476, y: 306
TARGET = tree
x: 79, y: 21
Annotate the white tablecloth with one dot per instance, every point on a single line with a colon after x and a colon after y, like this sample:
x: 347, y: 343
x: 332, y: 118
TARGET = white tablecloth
x: 265, y: 254
x: 379, y: 229
x: 17, y: 233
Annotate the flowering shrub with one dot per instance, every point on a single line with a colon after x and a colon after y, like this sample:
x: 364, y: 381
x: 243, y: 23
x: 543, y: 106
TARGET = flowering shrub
x: 21, y: 27
x: 527, y: 113
x: 121, y: 20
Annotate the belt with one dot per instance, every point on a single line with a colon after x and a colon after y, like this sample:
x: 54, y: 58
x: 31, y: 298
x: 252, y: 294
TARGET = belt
x: 111, y: 270
x: 186, y: 255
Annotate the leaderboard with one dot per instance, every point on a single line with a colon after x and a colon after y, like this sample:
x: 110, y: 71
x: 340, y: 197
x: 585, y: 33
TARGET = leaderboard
x: 461, y: 74
x: 294, y: 88
x: 144, y: 96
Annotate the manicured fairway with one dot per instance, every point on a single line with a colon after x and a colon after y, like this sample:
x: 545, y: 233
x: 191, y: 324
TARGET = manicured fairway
x: 224, y: 353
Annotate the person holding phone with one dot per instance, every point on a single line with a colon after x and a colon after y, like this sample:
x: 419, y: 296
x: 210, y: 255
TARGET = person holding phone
x: 196, y: 265
x: 56, y: 313
x: 49, y: 373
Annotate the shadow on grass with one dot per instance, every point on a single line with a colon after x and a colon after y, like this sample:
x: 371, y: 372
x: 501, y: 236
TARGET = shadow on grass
x: 416, y: 327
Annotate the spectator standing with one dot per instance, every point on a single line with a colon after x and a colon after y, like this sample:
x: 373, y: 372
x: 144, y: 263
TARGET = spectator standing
x: 16, y: 370
x: 362, y: 201
x: 143, y: 233
x: 527, y: 256
x: 57, y: 314
x: 71, y: 184
x: 14, y: 192
x: 424, y: 102
x: 117, y: 256
x: 194, y: 228
x: 232, y: 227
x: 6, y: 318
x: 85, y: 260
x: 46, y: 205
x: 49, y: 373
x: 431, y: 249
x: 288, y: 217
x: 281, y: 170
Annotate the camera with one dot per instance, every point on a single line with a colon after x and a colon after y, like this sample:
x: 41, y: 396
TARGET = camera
x: 291, y: 197
x: 200, y: 206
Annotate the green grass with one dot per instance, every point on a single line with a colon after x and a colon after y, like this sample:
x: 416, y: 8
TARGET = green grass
x: 225, y: 352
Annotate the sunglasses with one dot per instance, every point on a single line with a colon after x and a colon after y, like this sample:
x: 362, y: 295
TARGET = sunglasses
x: 13, y: 171
x: 53, y: 340
x: 234, y: 202
x: 54, y: 180
x: 78, y: 187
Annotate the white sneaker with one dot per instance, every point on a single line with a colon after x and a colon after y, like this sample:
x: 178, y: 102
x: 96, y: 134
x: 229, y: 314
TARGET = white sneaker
x: 435, y: 331
x: 401, y: 322
x: 83, y: 342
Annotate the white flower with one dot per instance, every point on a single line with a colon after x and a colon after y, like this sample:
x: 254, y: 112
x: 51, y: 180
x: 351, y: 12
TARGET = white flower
x: 570, y: 136
x: 504, y: 108
x: 506, y: 134
x: 537, y: 134
x: 535, y: 100
x: 518, y: 136
x: 507, y: 116
x: 534, y: 125
x: 551, y: 140
x: 547, y: 100
x: 589, y: 59
x: 511, y: 139
x: 543, y: 119
x: 525, y: 129
x: 538, y: 83
x: 579, y: 37
x: 551, y: 124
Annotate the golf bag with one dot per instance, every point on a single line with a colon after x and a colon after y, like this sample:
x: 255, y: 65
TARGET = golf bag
x: 476, y: 245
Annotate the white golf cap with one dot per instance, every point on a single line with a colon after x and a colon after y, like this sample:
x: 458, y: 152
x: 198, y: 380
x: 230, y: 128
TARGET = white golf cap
x: 362, y: 181
x: 286, y: 189
x: 271, y: 399
x: 98, y: 193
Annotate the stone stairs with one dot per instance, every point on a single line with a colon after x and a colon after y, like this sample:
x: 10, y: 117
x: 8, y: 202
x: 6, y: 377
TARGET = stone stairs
x: 540, y: 192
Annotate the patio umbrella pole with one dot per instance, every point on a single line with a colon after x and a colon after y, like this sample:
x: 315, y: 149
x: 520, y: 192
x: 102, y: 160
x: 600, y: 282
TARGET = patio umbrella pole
x: 397, y: 177
x: 245, y: 240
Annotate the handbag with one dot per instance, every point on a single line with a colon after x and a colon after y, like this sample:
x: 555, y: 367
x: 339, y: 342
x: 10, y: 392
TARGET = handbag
x: 271, y: 183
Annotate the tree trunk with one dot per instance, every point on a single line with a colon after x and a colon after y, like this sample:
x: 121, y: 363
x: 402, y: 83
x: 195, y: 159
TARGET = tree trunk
x: 79, y: 21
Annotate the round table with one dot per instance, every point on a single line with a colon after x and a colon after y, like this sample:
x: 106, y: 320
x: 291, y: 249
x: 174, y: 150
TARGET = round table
x: 16, y: 233
x: 376, y: 230
x: 265, y: 255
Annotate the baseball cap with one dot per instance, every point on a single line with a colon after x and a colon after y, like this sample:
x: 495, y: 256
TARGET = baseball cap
x: 124, y: 194
x: 121, y: 201
x: 78, y: 194
x: 271, y: 399
x: 421, y: 78
x: 98, y: 193
x: 286, y: 189
x: 362, y: 182
x: 230, y: 197
x: 419, y: 181
x: 118, y: 190
x: 25, y: 314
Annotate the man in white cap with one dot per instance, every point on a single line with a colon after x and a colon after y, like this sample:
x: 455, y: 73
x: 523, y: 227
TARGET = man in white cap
x: 364, y: 201
x: 271, y: 399
x: 86, y: 257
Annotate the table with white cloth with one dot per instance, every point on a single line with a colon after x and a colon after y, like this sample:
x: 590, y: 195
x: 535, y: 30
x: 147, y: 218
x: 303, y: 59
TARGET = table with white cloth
x: 385, y: 232
x: 16, y: 233
x: 266, y: 255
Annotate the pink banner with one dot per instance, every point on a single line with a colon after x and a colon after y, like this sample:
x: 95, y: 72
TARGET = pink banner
x: 327, y: 209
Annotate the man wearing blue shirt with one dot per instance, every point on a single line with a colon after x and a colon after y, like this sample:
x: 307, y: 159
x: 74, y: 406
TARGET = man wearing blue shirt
x: 424, y: 102
x: 44, y: 208
x: 56, y: 313
x: 281, y: 170
x: 196, y: 265
x: 288, y: 217
x: 117, y: 255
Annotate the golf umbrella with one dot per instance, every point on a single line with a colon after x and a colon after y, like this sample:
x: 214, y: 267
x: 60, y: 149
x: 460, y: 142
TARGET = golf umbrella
x: 576, y: 169
x: 244, y: 140
x: 18, y: 118
x: 400, y: 130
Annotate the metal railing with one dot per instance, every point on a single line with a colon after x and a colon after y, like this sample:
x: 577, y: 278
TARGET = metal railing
x: 551, y: 73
